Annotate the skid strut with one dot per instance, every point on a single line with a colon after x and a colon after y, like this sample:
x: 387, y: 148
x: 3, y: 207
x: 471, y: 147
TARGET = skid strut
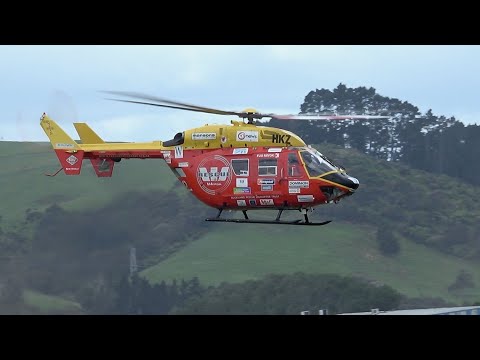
x: 276, y: 221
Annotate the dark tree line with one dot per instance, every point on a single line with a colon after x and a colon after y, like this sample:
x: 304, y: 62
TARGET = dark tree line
x: 424, y: 141
x: 276, y: 294
x: 291, y: 294
x: 133, y: 295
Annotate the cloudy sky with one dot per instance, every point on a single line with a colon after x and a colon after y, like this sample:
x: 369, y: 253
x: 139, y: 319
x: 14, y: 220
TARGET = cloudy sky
x: 65, y: 81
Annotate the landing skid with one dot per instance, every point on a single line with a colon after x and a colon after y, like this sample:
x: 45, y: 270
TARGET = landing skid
x: 294, y: 222
x: 276, y: 221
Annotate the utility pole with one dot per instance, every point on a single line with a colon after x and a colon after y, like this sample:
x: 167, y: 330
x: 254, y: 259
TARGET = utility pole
x: 133, y: 261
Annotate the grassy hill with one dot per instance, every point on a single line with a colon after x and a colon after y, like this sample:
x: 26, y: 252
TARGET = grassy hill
x: 235, y: 253
x: 48, y: 304
x: 422, y: 208
x: 23, y: 184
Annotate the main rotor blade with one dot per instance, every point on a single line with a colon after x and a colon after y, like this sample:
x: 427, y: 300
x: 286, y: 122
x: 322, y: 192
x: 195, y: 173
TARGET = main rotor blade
x: 178, y: 105
x: 162, y: 102
x: 152, y: 104
x: 325, y: 117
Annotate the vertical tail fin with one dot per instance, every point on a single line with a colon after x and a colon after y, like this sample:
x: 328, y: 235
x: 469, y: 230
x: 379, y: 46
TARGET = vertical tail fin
x: 69, y: 153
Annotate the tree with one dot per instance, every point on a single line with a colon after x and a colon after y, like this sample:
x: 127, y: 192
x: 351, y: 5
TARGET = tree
x: 387, y: 241
x: 11, y: 292
x: 290, y: 294
x: 464, y: 280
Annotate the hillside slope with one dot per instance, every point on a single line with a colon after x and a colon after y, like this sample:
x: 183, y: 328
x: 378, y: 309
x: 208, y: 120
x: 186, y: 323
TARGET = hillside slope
x: 235, y: 253
x: 23, y: 184
x: 432, y: 209
x: 427, y: 212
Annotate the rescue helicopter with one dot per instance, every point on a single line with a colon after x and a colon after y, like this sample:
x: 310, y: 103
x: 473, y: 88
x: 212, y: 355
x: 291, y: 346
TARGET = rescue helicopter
x: 239, y: 166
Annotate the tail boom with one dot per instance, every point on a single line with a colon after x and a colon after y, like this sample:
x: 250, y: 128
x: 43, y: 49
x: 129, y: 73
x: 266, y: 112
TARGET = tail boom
x: 101, y: 154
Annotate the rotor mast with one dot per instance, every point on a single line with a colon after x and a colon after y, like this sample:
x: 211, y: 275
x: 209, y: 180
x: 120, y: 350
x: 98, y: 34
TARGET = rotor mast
x: 249, y: 114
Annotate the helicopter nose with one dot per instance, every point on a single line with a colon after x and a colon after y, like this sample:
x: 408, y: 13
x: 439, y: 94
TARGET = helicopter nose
x: 355, y: 183
x: 343, y: 179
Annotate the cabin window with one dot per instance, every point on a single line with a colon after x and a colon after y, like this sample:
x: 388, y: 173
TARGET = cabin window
x: 267, y: 167
x: 293, y: 165
x: 240, y: 167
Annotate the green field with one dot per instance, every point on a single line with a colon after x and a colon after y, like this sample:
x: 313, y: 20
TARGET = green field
x: 235, y: 253
x: 50, y: 304
x: 23, y: 184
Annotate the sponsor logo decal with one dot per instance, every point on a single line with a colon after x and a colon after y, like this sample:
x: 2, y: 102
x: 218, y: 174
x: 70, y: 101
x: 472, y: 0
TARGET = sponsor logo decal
x: 242, y: 182
x: 252, y: 202
x: 241, y: 151
x: 214, y: 174
x: 204, y: 136
x: 276, y: 155
x: 241, y: 203
x: 305, y: 198
x: 183, y: 164
x: 299, y: 184
x: 241, y: 190
x: 266, y: 201
x: 72, y: 160
x: 178, y: 152
x: 223, y: 139
x: 275, y: 150
x: 294, y: 190
x: 167, y: 155
x: 266, y: 181
x: 247, y: 136
x: 267, y: 187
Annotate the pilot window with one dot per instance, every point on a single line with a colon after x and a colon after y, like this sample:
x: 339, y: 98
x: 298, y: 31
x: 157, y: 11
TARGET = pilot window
x: 267, y: 167
x: 240, y: 166
x: 315, y: 164
x: 293, y: 165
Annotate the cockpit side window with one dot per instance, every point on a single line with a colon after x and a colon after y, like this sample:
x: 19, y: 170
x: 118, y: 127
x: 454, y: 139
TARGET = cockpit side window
x: 315, y: 165
x: 293, y: 165
x: 178, y: 139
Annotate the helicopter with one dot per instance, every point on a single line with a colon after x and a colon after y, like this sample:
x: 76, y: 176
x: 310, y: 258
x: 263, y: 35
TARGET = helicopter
x: 240, y: 166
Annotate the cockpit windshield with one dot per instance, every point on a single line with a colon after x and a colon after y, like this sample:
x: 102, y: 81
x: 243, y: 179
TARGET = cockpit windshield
x: 316, y: 163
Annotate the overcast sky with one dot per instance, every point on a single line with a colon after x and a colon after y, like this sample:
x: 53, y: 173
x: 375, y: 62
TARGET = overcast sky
x: 65, y: 81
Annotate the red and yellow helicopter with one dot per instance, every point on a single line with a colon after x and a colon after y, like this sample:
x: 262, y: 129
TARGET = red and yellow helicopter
x: 242, y: 166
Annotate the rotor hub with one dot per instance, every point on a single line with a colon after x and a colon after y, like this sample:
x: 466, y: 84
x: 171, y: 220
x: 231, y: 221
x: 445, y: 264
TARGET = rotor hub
x: 250, y: 111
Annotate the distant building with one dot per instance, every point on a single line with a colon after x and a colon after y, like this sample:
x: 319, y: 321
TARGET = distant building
x: 465, y: 310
